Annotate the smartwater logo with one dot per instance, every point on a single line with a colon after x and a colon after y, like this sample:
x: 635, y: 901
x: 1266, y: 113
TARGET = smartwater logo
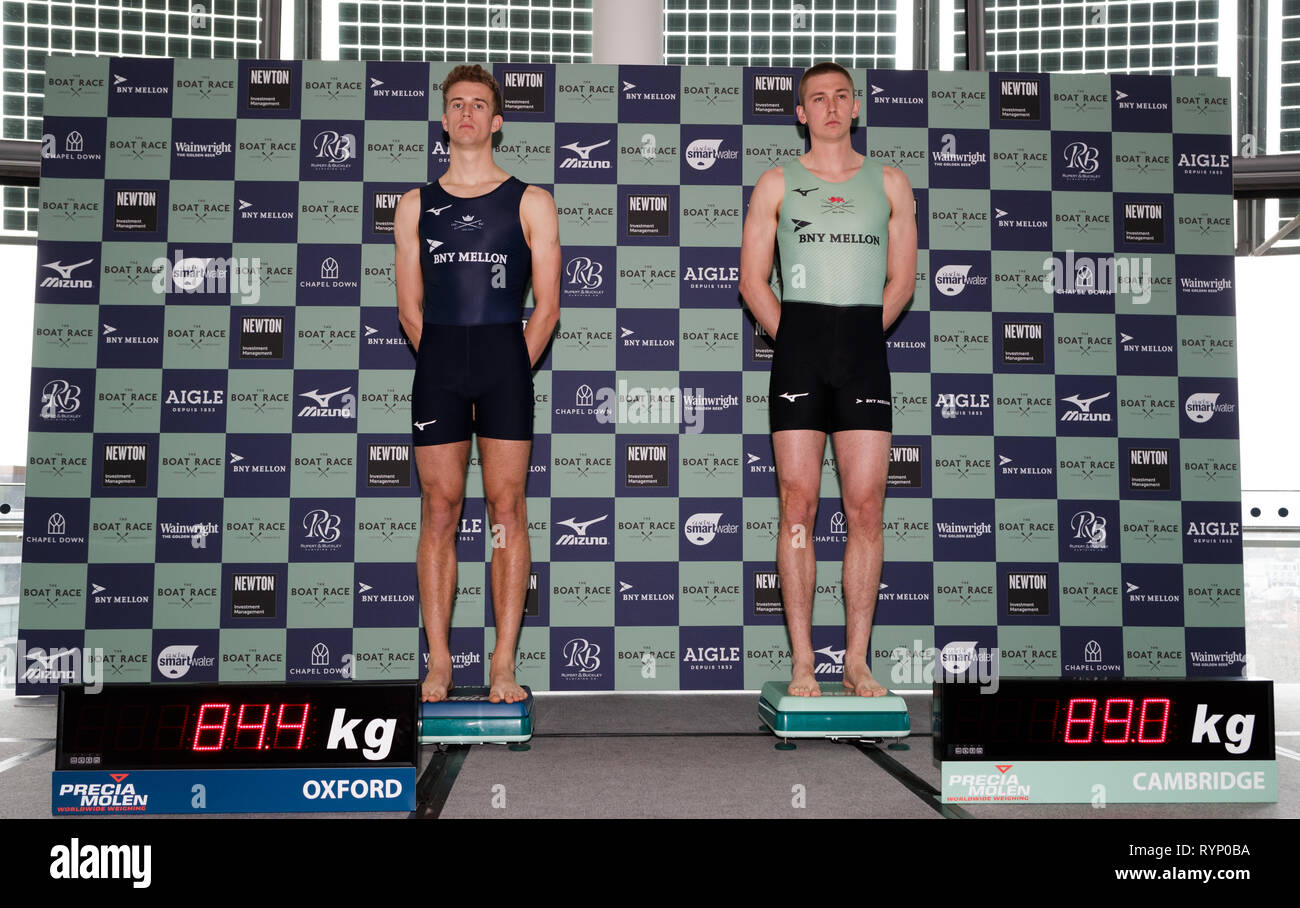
x: 700, y: 529
x: 175, y: 661
x: 957, y: 662
x: 1202, y: 406
x: 702, y: 154
x: 75, y: 861
x: 951, y: 280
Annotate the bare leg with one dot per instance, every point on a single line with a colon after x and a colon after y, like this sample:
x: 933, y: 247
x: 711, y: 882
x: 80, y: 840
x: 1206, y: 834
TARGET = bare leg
x: 442, y: 484
x: 798, y: 475
x: 505, y: 473
x: 863, y: 460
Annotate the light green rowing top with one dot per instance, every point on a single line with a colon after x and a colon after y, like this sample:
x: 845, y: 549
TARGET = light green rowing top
x: 833, y: 238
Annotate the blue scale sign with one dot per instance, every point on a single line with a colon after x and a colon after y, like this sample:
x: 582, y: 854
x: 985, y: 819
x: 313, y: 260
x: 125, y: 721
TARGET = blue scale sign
x: 1123, y: 741
x: 236, y: 748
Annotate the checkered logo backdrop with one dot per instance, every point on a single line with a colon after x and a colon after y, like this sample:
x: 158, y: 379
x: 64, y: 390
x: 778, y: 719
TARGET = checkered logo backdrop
x: 220, y: 480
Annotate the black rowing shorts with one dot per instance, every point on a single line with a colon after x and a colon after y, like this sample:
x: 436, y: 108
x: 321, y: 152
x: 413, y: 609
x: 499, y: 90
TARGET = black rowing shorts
x: 829, y: 370
x: 472, y: 378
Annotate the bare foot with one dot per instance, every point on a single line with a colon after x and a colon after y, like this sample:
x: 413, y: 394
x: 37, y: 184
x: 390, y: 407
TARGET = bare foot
x: 437, y: 683
x: 504, y: 688
x: 857, y: 678
x: 802, y: 682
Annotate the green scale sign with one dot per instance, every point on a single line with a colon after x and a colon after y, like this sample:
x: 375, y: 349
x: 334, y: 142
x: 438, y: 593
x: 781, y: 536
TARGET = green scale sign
x: 1129, y: 741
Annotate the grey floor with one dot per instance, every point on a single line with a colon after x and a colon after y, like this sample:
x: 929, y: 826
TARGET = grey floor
x: 685, y: 755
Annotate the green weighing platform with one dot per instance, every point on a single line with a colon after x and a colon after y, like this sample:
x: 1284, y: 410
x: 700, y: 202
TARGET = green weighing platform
x: 468, y: 717
x: 837, y: 713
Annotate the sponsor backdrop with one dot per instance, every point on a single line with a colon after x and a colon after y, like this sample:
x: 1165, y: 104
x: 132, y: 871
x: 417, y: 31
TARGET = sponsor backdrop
x: 220, y: 483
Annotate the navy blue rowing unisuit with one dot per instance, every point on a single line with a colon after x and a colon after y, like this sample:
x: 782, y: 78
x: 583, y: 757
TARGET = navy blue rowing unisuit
x: 472, y: 372
x: 473, y: 256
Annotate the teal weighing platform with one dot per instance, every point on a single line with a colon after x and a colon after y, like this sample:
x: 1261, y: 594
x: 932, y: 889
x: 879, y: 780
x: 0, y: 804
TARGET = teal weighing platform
x: 837, y: 713
x: 468, y: 717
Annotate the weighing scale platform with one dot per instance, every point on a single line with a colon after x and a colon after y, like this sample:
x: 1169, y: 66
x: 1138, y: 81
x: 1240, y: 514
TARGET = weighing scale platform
x: 837, y: 713
x: 468, y: 717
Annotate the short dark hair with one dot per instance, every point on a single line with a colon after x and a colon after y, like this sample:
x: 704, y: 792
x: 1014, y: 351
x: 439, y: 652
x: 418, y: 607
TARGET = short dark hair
x: 822, y: 69
x: 472, y: 73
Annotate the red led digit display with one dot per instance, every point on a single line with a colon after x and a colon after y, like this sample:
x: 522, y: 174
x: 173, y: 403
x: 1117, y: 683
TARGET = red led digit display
x: 210, y: 735
x: 235, y: 726
x: 293, y: 711
x: 1161, y: 722
x: 1117, y: 721
x: 1103, y: 719
x: 1073, y: 718
x: 1115, y: 728
x: 251, y: 734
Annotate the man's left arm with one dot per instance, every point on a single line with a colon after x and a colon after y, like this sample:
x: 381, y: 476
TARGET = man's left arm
x: 541, y: 226
x: 900, y: 266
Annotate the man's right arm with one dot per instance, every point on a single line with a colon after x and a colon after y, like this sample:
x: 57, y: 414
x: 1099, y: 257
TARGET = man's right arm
x: 756, y: 249
x: 410, y: 279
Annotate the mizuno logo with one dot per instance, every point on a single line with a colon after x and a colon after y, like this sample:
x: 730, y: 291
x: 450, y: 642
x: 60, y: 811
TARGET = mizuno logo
x: 793, y: 397
x: 584, y: 151
x: 420, y: 425
x: 835, y: 655
x: 66, y: 270
x: 442, y: 209
x: 323, y: 399
x: 1085, y: 404
x: 581, y: 528
x: 804, y: 192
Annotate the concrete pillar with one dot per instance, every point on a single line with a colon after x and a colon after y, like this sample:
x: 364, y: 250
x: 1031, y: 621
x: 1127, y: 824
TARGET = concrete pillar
x: 627, y: 31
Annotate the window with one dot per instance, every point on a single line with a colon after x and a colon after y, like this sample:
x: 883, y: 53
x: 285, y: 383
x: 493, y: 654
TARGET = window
x: 864, y: 34
x: 558, y: 31
x: 127, y: 28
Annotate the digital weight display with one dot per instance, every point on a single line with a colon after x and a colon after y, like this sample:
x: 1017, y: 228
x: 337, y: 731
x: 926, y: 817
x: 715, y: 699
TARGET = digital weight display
x: 229, y: 726
x: 1049, y: 719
